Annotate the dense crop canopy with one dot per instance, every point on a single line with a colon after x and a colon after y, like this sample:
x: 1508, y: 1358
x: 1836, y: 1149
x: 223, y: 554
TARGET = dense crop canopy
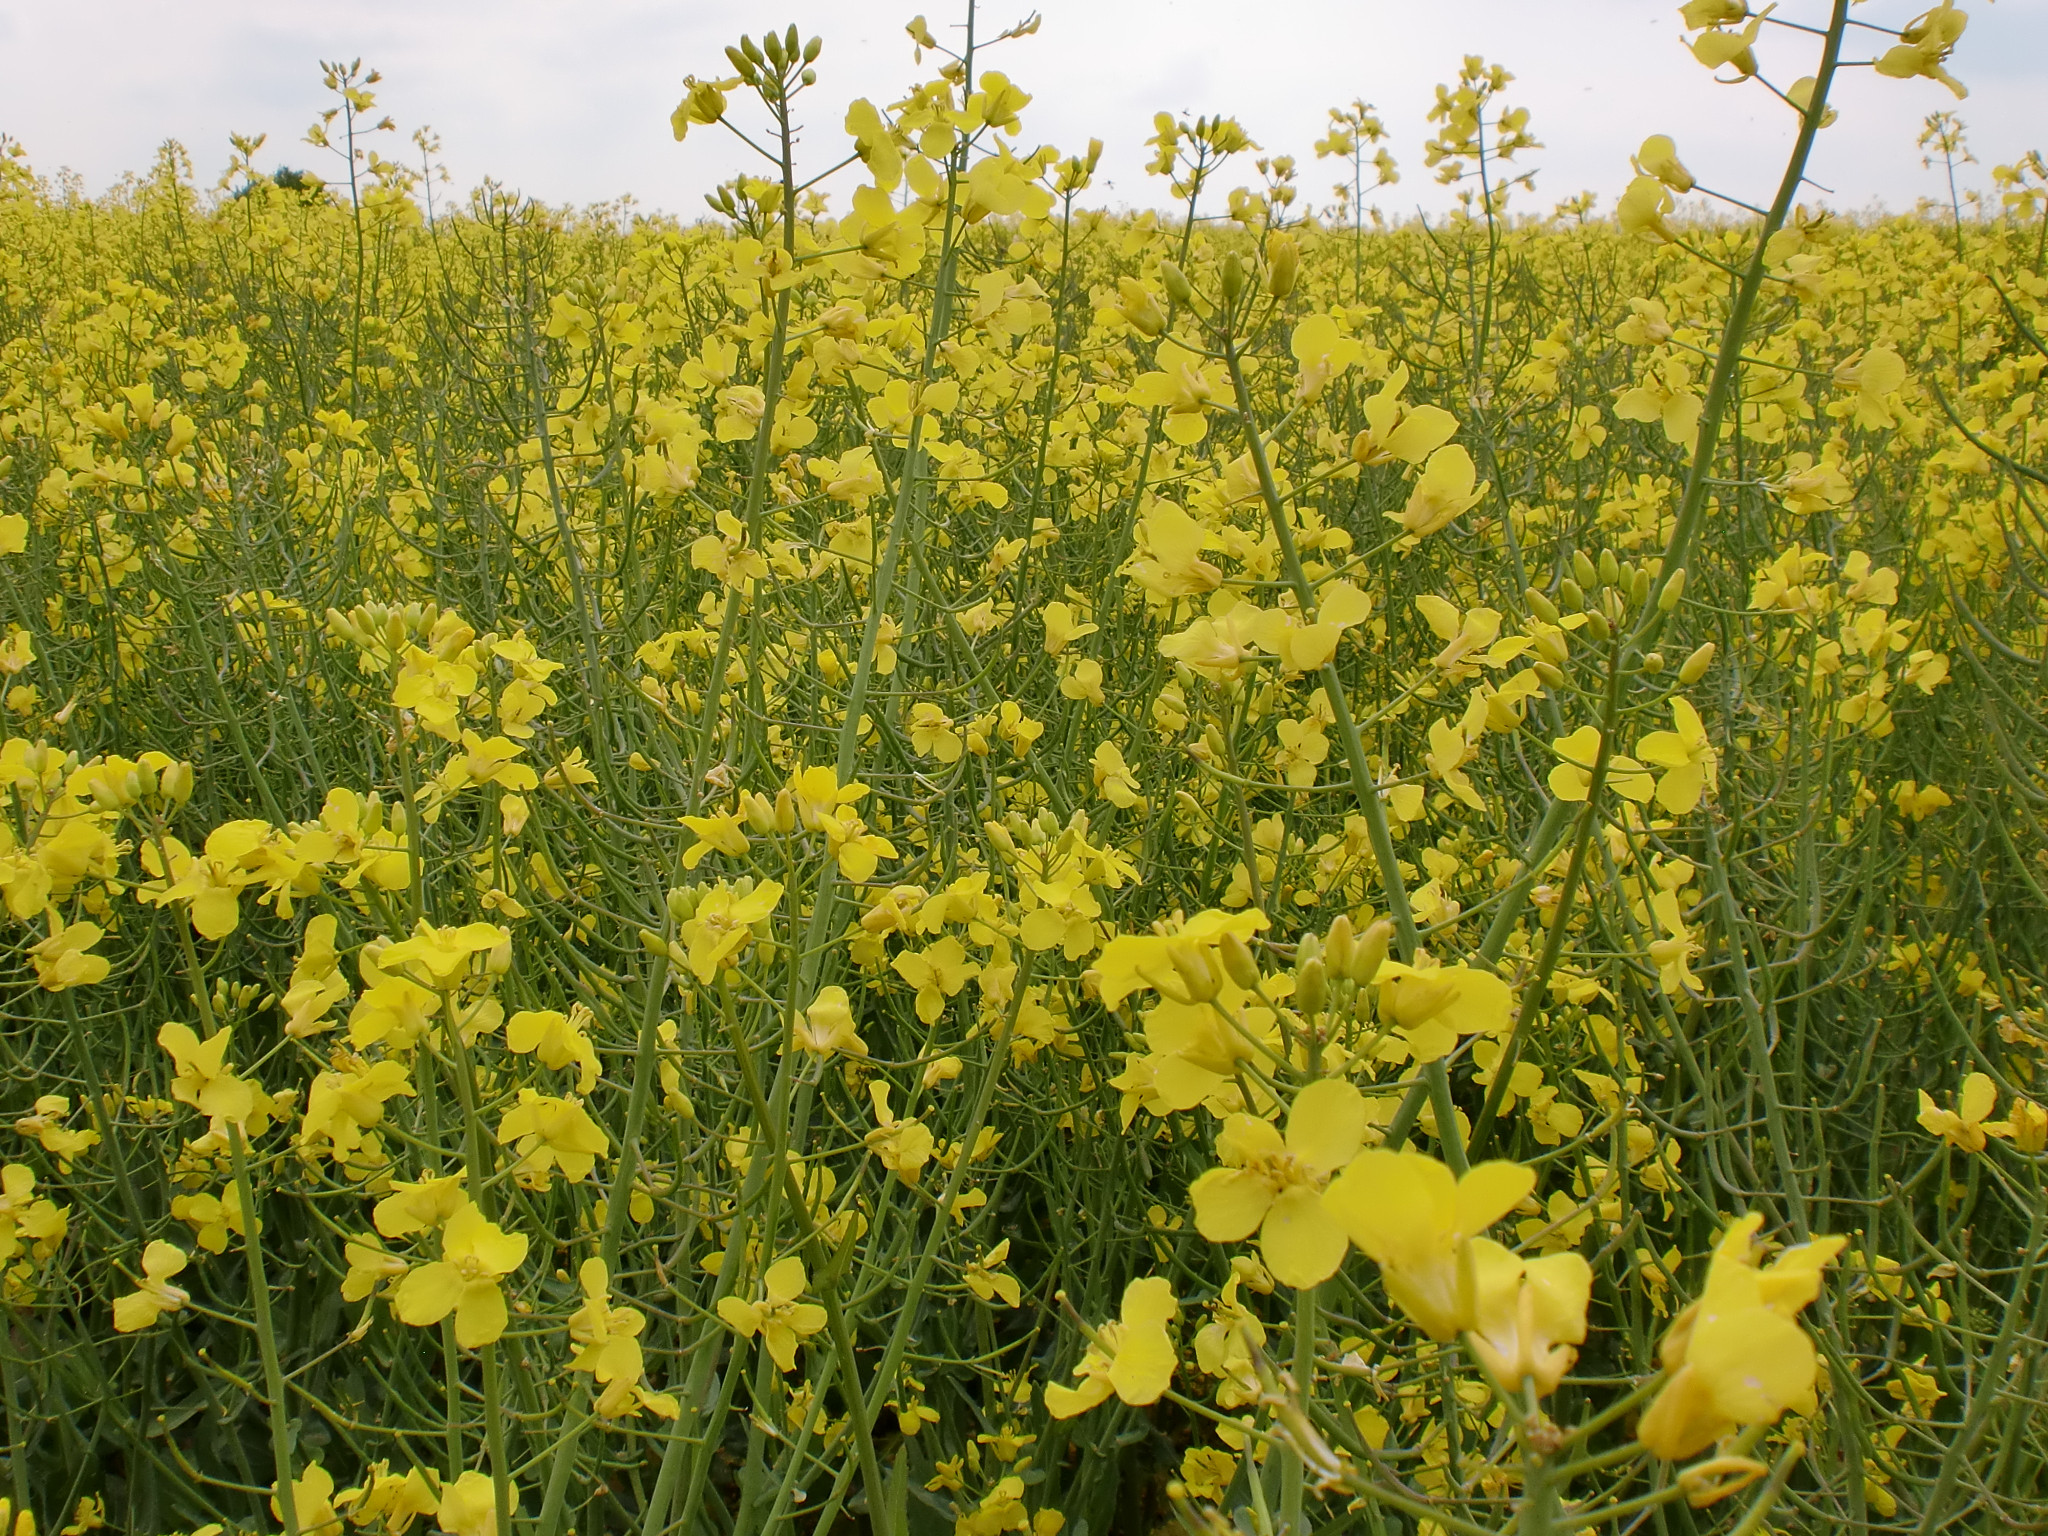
x: 937, y: 859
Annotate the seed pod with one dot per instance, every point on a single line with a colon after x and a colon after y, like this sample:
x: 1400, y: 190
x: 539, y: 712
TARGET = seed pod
x: 1238, y: 962
x: 1695, y: 665
x: 1370, y: 953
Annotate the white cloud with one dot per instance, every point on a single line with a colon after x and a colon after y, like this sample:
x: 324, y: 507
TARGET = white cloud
x: 569, y: 101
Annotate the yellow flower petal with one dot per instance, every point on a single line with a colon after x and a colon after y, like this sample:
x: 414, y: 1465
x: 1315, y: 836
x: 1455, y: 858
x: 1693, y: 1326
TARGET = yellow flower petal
x: 1301, y: 1242
x: 1488, y: 1192
x: 1230, y: 1203
x: 1326, y: 1126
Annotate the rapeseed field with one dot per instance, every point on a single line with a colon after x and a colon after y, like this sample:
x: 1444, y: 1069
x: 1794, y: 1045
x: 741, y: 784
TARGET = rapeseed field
x: 934, y: 860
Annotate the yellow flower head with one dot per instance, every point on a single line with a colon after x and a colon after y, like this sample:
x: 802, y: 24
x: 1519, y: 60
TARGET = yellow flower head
x: 475, y: 1255
x: 1434, y: 1007
x: 828, y: 1025
x: 1528, y: 1313
x: 1964, y: 1126
x: 1132, y: 1358
x: 203, y: 1079
x: 156, y: 1296
x: 723, y: 926
x: 65, y: 958
x: 1275, y: 1188
x: 1414, y: 1218
x: 552, y: 1133
x: 781, y: 1320
x: 469, y: 1506
x: 1736, y: 1355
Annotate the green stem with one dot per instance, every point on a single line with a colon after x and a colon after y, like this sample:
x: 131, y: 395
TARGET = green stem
x: 1294, y: 1471
x: 1435, y: 1078
x: 266, y: 1334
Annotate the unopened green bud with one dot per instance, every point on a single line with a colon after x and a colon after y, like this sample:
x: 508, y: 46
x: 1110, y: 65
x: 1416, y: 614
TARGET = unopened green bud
x: 1541, y: 606
x: 1238, y: 962
x: 1571, y: 597
x: 175, y: 783
x: 1311, y: 986
x: 1585, y: 570
x: 1178, y: 288
x: 1233, y: 278
x: 1695, y: 666
x: 1598, y: 627
x: 1674, y: 589
x: 1197, y: 972
x: 1370, y: 953
x: 1610, y: 569
x: 1283, y: 265
x: 1338, y: 944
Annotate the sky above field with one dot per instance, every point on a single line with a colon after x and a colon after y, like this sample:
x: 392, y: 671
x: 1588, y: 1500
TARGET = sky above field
x: 569, y: 102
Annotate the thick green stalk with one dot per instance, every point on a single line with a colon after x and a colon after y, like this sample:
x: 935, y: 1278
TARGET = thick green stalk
x: 1293, y: 1469
x: 266, y: 1334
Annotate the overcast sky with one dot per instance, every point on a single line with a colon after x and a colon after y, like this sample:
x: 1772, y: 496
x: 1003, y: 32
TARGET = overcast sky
x: 567, y: 100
